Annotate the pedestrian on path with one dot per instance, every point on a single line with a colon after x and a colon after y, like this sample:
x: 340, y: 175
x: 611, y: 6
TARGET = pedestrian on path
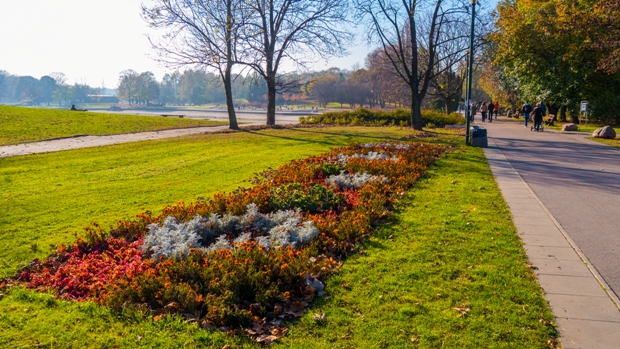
x: 526, y: 109
x: 491, y: 108
x: 496, y: 108
x: 483, y: 110
x: 543, y: 108
x: 537, y: 115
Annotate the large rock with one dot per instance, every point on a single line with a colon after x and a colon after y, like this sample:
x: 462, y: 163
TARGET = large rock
x: 570, y: 127
x: 605, y: 132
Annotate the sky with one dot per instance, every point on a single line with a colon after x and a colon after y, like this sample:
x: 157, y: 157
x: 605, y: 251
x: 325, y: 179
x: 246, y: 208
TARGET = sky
x: 91, y: 42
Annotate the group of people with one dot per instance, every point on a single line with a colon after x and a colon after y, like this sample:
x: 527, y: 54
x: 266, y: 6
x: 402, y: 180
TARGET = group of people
x: 486, y: 110
x: 536, y: 113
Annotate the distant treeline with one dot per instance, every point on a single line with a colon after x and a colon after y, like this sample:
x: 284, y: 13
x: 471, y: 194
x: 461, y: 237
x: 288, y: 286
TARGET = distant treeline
x: 49, y: 89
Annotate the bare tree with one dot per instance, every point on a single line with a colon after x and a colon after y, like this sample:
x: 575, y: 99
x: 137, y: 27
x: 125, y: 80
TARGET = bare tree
x: 203, y: 33
x: 420, y: 38
x: 294, y: 30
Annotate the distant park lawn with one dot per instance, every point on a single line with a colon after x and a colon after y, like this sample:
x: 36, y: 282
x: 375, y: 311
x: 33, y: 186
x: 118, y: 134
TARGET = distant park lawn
x: 448, y: 271
x: 24, y: 125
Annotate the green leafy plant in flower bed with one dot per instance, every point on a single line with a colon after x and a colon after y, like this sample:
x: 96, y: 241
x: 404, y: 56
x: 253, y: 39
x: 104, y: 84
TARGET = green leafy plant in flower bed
x: 398, y: 117
x: 242, y: 256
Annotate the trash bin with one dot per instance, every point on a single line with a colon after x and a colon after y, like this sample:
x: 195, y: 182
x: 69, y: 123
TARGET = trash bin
x: 478, y: 137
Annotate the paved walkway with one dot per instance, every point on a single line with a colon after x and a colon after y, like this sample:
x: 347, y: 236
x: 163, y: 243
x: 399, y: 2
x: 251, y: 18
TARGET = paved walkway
x: 564, y: 194
x: 247, y: 118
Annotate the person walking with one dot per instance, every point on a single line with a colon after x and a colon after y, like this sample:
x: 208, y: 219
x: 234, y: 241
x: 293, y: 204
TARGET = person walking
x: 491, y: 108
x: 496, y: 108
x: 543, y: 108
x: 483, y: 110
x: 537, y: 114
x: 526, y: 109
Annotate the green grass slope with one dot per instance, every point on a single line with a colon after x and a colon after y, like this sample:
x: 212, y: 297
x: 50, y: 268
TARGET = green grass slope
x: 447, y: 271
x: 23, y: 125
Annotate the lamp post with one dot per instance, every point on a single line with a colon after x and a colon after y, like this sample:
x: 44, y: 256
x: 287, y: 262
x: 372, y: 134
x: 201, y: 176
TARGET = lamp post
x: 470, y: 71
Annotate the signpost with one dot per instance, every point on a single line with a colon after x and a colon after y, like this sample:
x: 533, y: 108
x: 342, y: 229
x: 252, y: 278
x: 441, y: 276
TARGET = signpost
x: 585, y: 108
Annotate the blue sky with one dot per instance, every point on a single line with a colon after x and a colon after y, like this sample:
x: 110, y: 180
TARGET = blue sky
x: 92, y: 41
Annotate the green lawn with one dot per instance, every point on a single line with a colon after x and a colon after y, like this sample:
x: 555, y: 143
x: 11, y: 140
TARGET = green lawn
x: 450, y: 246
x: 22, y: 125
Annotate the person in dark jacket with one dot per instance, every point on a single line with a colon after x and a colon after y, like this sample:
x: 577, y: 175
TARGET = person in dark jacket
x: 537, y: 115
x: 526, y: 109
x: 491, y: 107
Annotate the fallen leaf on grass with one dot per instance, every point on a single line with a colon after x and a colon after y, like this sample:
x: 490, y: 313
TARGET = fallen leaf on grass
x: 319, y: 317
x: 463, y: 311
x: 415, y: 340
x: 227, y: 346
x: 266, y: 339
x: 346, y: 336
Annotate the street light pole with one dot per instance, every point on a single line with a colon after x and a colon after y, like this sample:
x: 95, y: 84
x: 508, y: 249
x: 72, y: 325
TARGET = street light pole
x: 470, y: 72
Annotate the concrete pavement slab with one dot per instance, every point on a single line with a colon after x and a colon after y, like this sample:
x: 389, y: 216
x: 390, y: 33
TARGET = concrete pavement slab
x: 551, y: 240
x: 575, y: 307
x: 587, y: 334
x: 560, y: 267
x: 571, y: 285
x: 552, y: 252
x: 539, y: 221
x: 531, y: 229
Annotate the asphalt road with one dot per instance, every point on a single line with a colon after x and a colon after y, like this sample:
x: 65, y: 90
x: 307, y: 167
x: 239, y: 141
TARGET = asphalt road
x: 578, y: 180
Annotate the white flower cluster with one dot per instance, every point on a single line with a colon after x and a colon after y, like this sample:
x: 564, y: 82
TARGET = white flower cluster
x: 353, y: 180
x: 394, y: 146
x: 373, y: 155
x: 174, y: 240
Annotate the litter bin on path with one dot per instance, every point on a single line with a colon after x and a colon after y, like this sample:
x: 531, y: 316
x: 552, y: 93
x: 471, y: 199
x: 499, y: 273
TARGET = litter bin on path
x: 478, y: 137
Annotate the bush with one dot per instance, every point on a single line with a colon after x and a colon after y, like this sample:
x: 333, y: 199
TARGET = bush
x: 398, y: 117
x: 253, y: 253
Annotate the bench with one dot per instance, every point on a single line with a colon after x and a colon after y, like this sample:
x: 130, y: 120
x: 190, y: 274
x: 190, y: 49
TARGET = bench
x: 550, y: 120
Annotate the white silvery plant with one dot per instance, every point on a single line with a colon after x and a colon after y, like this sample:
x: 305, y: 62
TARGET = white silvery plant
x: 397, y: 146
x: 292, y: 232
x: 353, y: 180
x: 373, y: 155
x: 172, y: 239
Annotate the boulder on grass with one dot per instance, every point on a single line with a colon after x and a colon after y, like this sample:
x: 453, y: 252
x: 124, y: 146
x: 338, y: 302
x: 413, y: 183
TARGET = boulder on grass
x: 570, y: 127
x: 606, y: 132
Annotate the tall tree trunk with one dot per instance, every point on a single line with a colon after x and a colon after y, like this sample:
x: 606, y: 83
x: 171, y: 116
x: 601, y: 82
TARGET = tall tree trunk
x: 562, y: 113
x: 574, y: 116
x: 553, y: 110
x: 230, y: 103
x: 416, y: 111
x: 271, y: 101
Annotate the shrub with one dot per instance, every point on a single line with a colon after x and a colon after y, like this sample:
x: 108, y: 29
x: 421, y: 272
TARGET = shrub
x: 398, y: 117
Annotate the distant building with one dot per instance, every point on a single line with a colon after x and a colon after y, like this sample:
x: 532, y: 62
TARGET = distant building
x: 103, y: 98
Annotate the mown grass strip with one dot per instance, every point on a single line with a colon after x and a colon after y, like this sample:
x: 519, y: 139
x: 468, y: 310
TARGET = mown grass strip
x: 24, y: 125
x: 450, y: 248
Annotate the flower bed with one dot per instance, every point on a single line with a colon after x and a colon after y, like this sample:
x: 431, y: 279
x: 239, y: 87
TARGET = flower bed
x: 241, y: 257
x: 397, y: 117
